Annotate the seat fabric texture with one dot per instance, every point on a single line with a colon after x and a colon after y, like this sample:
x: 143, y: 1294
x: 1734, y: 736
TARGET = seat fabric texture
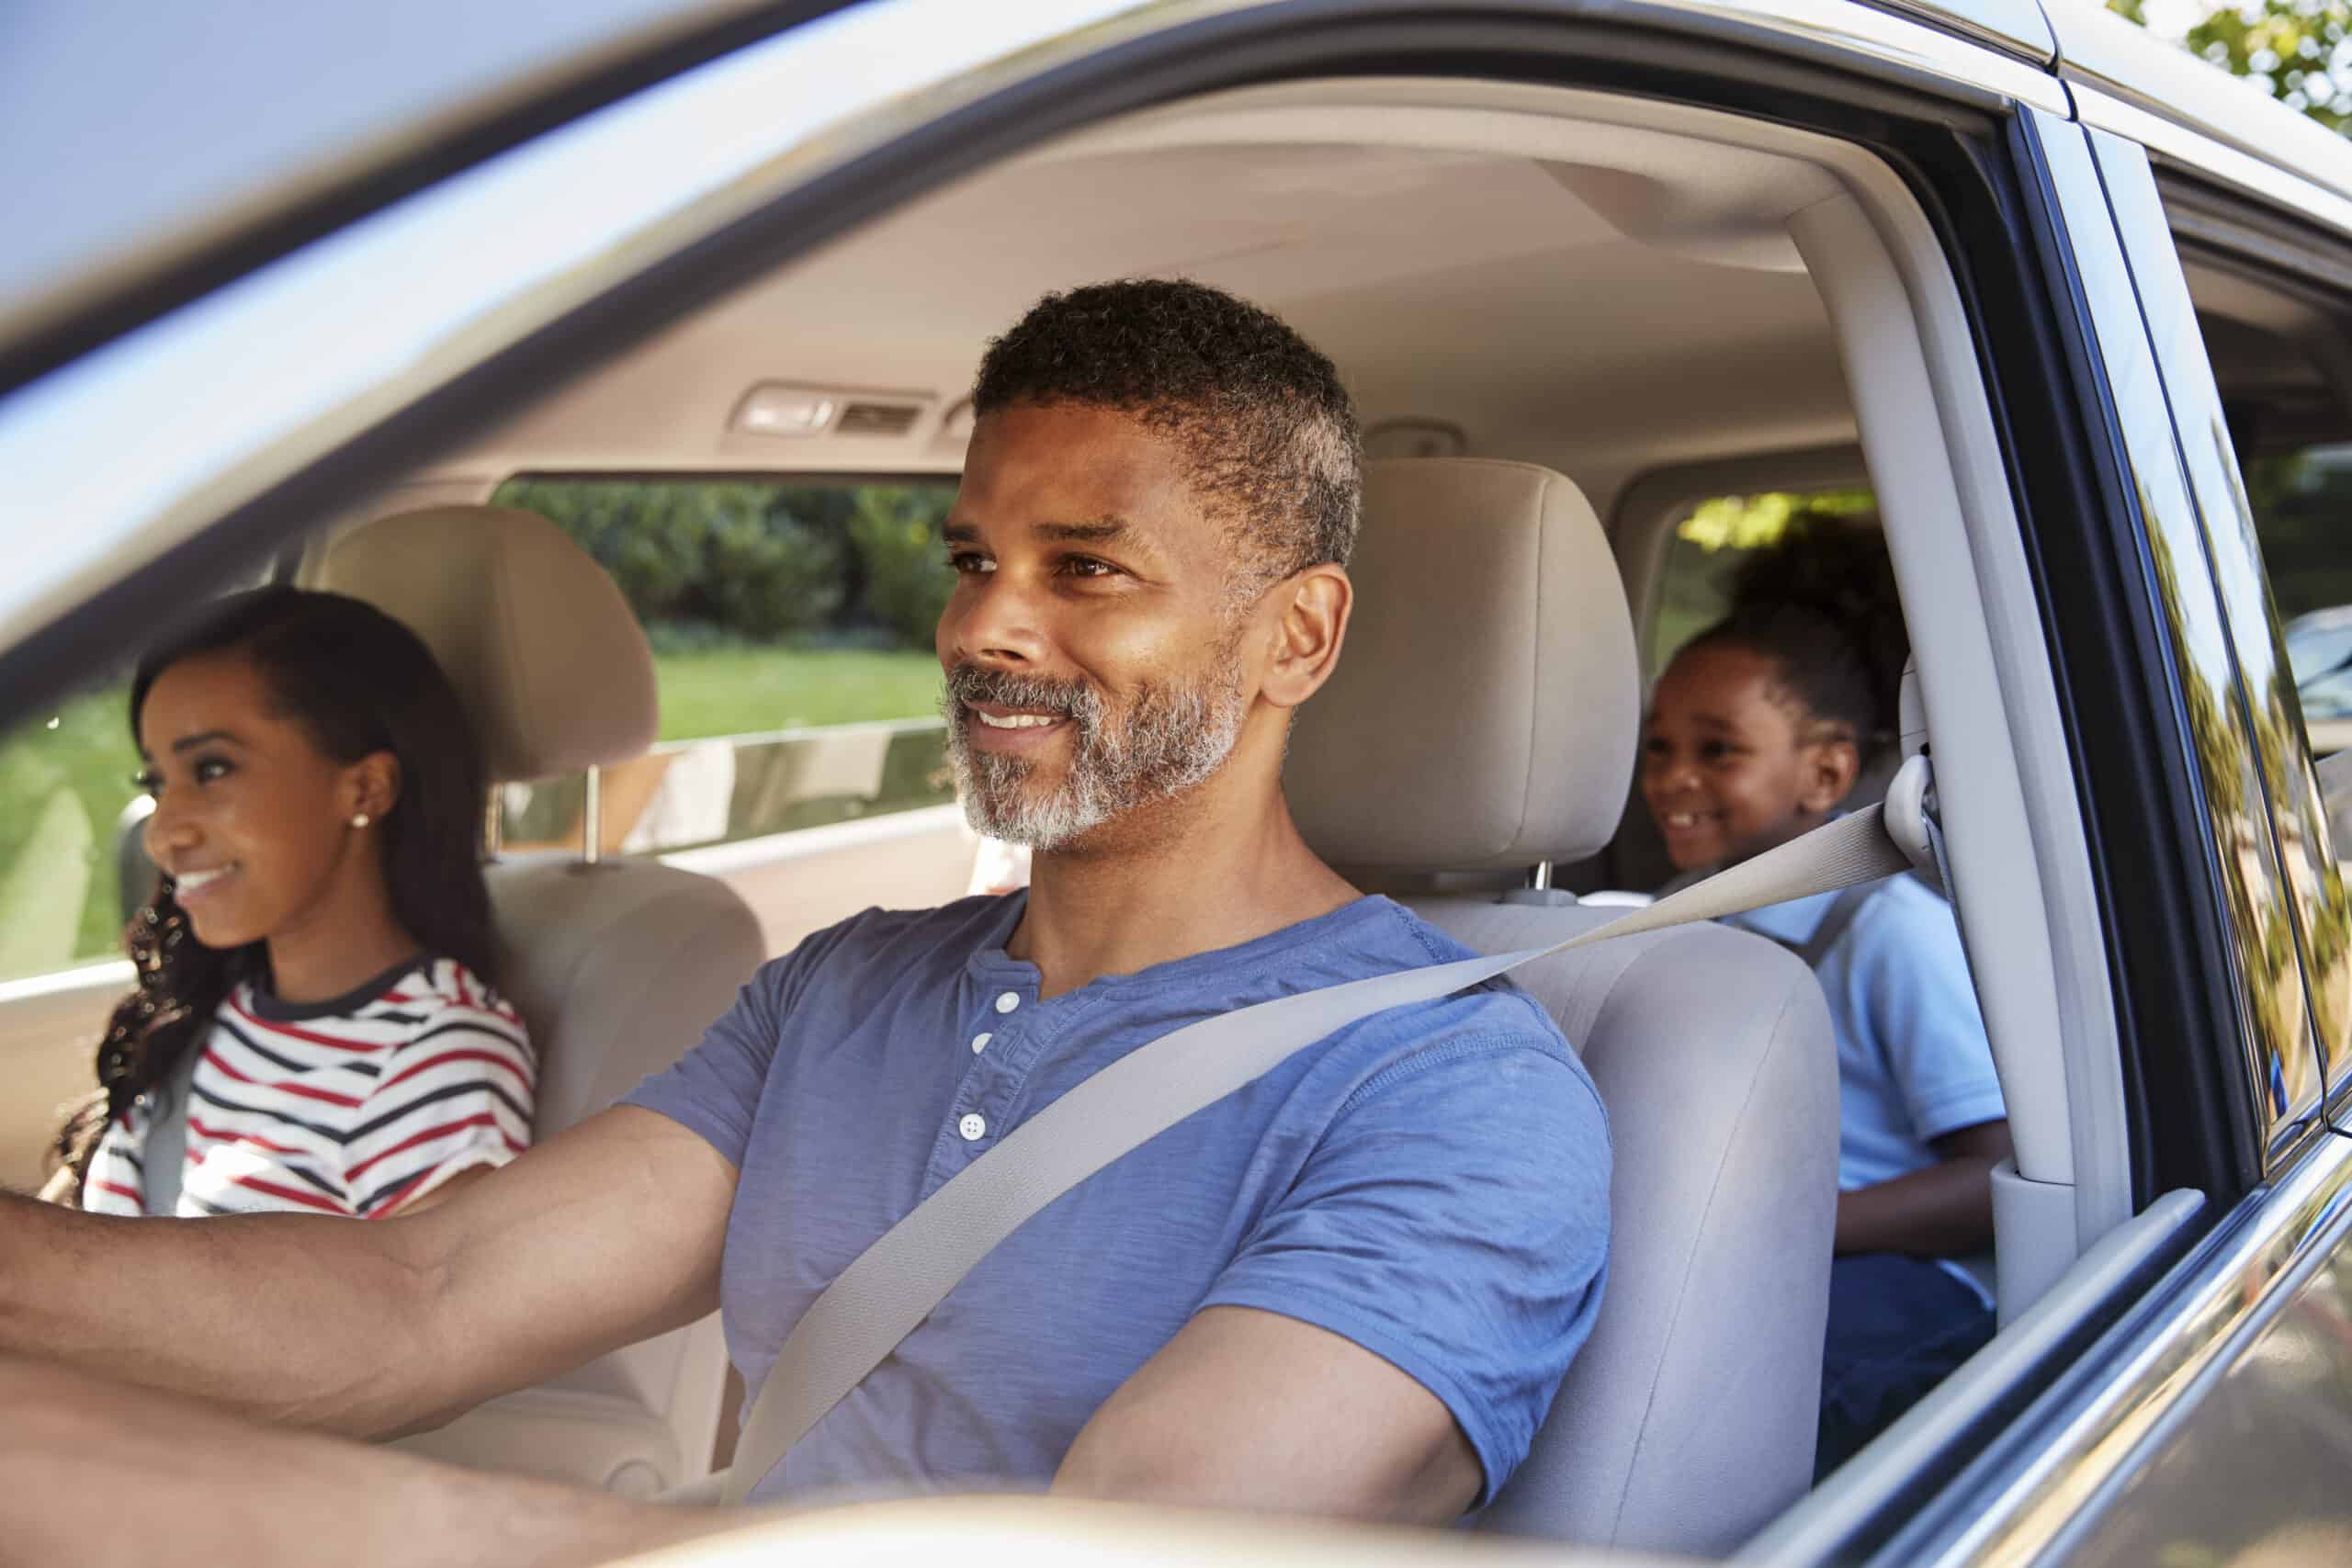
x: 1486, y: 713
x: 1686, y: 1423
x: 617, y: 967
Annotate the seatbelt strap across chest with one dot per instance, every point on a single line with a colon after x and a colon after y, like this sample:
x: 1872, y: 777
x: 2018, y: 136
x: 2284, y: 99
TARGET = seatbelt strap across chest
x: 163, y: 1161
x: 891, y: 1287
x: 1833, y: 922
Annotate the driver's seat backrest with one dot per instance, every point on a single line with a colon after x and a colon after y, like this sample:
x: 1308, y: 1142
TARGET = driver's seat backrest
x: 1485, y: 717
x: 617, y: 967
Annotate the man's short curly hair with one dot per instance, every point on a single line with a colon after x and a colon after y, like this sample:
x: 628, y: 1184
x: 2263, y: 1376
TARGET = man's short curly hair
x: 1269, y: 434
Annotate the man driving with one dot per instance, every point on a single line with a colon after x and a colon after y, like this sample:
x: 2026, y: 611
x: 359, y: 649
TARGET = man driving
x: 1350, y: 1286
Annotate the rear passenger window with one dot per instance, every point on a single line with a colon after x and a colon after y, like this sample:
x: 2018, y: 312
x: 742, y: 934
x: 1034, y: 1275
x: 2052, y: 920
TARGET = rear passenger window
x: 791, y: 625
x: 2302, y: 501
x: 1694, y: 581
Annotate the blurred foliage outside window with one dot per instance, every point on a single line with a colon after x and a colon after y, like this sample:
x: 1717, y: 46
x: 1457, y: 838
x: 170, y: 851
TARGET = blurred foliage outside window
x: 1694, y: 584
x: 791, y: 624
x: 2300, y: 51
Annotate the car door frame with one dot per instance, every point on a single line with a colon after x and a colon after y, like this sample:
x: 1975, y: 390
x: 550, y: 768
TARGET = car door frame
x: 2147, y: 1389
x: 1870, y: 74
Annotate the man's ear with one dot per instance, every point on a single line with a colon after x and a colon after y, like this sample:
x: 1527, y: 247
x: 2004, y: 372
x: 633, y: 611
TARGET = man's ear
x: 1831, y: 767
x: 372, y: 785
x: 1310, y: 622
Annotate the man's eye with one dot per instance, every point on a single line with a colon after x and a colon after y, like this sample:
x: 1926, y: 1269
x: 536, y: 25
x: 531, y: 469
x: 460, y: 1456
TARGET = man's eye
x: 969, y: 562
x: 1087, y: 566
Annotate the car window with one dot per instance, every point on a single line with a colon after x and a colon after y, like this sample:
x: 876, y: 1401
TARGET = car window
x: 65, y: 779
x: 2302, y: 499
x: 791, y: 625
x: 67, y: 799
x: 1705, y: 550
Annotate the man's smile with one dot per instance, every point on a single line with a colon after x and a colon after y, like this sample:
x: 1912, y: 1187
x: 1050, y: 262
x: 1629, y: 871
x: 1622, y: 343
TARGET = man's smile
x: 1006, y: 730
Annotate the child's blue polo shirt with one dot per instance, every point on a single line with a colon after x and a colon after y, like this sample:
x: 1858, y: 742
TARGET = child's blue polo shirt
x: 1913, y: 1063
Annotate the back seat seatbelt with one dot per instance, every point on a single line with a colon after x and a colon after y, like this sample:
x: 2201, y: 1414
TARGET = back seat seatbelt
x: 894, y: 1284
x: 1833, y: 922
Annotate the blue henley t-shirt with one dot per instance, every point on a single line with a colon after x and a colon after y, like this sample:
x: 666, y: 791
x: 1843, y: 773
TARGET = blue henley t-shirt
x: 1432, y: 1183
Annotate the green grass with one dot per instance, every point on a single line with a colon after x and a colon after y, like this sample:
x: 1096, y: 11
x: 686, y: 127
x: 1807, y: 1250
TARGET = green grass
x: 731, y: 691
x: 89, y: 757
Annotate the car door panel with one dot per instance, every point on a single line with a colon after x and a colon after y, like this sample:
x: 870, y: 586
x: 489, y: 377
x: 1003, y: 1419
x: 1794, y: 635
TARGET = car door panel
x: 48, y: 1044
x: 2244, y: 1461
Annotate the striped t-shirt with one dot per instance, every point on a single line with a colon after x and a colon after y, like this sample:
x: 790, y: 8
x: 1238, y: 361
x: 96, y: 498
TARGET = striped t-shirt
x: 355, y: 1106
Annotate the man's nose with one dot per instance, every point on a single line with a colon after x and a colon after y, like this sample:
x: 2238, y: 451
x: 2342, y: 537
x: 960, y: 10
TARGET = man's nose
x: 996, y: 619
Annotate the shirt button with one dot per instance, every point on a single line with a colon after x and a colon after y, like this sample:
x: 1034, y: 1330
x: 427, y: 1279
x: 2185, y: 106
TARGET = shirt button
x: 1008, y: 1001
x: 973, y: 1126
x: 981, y: 1042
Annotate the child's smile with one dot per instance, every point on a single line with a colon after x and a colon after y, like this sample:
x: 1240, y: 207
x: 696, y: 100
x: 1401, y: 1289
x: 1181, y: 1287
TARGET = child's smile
x: 1727, y: 768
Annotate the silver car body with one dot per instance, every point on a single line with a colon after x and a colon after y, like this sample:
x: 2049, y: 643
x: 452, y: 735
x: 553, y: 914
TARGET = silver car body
x: 2187, y: 1379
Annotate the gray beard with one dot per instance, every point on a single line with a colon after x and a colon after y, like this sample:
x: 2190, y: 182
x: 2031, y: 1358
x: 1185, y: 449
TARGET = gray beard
x: 1172, y: 738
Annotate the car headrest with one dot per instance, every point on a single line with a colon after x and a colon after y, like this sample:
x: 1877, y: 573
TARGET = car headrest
x: 552, y: 668
x: 1487, y: 700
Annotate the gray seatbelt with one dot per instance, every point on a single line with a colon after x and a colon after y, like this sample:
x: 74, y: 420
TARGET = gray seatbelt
x: 1833, y: 922
x: 163, y: 1159
x: 894, y: 1284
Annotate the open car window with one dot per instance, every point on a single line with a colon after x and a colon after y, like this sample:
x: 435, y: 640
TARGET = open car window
x: 790, y: 621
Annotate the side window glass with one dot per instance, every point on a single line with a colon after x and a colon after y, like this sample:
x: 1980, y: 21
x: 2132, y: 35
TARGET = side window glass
x: 64, y: 781
x: 2302, y: 499
x: 69, y: 877
x: 791, y: 625
x: 1694, y: 581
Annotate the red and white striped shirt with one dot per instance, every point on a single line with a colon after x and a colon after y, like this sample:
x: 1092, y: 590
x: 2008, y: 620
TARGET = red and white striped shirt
x: 355, y: 1106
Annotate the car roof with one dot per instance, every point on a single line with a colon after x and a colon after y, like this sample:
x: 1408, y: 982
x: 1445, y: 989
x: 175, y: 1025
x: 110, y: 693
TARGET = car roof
x: 265, y: 105
x: 284, y: 119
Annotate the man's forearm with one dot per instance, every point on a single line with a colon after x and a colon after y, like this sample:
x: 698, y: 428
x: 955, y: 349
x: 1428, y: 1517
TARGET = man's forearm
x: 100, y: 1474
x: 317, y: 1321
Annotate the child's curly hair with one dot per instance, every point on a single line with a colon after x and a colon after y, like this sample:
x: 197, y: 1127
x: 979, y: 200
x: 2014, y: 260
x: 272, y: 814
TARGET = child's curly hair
x: 1821, y: 604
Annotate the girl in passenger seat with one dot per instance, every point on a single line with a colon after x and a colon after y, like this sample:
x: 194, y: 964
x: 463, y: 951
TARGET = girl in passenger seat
x: 1757, y: 733
x: 313, y: 1028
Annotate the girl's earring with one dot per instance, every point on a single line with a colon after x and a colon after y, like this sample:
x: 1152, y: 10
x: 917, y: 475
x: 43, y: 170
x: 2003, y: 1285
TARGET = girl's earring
x: 361, y: 820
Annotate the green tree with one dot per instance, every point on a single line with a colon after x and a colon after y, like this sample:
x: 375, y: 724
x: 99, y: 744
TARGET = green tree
x: 2299, y: 50
x: 896, y: 530
x: 742, y: 557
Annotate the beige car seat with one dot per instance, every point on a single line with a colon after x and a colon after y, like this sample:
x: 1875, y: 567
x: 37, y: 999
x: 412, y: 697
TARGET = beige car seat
x: 617, y: 967
x: 1485, y: 717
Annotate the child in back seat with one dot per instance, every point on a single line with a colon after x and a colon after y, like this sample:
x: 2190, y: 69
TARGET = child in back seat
x: 1756, y: 734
